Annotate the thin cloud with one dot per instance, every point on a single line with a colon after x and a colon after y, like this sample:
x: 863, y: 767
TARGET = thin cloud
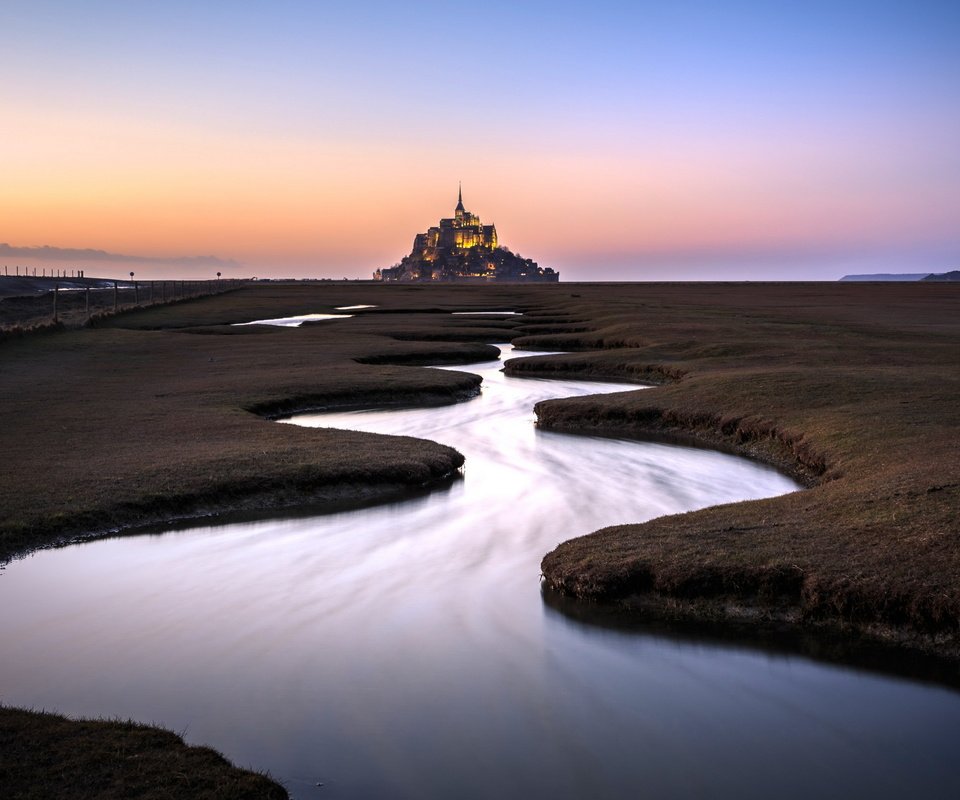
x: 48, y: 253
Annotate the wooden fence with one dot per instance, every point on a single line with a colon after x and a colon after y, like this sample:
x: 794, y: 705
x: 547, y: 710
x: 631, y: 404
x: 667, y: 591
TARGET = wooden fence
x: 80, y: 305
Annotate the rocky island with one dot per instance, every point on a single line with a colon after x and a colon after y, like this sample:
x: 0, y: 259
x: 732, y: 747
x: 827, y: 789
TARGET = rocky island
x: 461, y: 249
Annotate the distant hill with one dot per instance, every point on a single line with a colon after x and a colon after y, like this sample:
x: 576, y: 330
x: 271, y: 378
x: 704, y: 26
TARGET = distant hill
x: 945, y: 276
x: 889, y: 276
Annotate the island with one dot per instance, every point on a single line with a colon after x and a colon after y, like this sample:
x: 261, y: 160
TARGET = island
x: 462, y: 249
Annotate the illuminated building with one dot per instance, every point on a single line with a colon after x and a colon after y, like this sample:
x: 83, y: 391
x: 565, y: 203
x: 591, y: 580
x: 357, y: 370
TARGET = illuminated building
x: 461, y: 248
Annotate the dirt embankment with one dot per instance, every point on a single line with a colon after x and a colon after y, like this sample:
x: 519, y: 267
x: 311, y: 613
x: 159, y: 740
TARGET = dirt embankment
x: 852, y: 389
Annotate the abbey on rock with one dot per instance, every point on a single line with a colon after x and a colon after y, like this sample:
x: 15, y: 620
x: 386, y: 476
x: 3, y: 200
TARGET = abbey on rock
x: 463, y: 249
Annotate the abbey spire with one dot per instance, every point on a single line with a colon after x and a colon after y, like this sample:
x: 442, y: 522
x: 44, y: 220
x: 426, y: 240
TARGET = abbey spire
x: 459, y: 211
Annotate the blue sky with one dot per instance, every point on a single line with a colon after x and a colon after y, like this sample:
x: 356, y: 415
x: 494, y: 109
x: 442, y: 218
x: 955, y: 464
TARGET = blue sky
x: 636, y: 138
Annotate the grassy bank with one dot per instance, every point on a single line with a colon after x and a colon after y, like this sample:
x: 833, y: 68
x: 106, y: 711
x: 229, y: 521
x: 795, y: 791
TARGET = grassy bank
x: 44, y: 756
x: 852, y: 390
x: 145, y: 420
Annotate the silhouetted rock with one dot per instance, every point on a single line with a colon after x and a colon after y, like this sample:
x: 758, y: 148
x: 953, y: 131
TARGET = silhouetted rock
x: 888, y: 276
x: 953, y: 275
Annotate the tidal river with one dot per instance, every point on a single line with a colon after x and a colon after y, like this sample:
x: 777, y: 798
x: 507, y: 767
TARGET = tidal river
x: 404, y: 651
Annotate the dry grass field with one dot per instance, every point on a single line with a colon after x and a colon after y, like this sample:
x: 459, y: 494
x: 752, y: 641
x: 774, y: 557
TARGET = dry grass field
x: 44, y: 756
x: 121, y: 426
x: 853, y: 389
x: 163, y: 414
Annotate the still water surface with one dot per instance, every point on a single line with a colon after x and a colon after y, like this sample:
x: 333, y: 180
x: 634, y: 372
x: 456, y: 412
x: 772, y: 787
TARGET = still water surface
x: 404, y: 651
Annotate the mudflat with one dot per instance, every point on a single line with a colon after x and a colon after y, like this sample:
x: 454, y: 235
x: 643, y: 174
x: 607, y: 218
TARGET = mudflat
x: 153, y: 418
x: 163, y: 414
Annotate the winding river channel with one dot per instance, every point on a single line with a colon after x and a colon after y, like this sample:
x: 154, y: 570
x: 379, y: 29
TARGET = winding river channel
x: 405, y: 651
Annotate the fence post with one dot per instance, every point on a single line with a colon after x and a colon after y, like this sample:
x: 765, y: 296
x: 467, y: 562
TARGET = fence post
x: 115, y: 299
x: 86, y: 297
x: 56, y: 297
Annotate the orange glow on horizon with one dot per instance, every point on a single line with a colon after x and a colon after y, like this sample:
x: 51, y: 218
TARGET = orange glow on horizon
x: 134, y: 188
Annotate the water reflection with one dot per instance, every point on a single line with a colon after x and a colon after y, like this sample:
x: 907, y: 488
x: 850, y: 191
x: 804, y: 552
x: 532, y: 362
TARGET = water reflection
x: 294, y: 322
x: 404, y: 650
x: 774, y: 638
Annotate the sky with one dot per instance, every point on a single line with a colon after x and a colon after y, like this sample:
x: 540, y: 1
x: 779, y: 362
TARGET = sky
x: 773, y: 140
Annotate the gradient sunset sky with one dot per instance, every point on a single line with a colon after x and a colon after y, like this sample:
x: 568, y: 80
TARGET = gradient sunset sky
x: 611, y: 141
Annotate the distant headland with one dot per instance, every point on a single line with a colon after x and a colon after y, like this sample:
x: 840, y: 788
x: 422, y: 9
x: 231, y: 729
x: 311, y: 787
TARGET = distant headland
x: 953, y: 275
x: 461, y: 249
